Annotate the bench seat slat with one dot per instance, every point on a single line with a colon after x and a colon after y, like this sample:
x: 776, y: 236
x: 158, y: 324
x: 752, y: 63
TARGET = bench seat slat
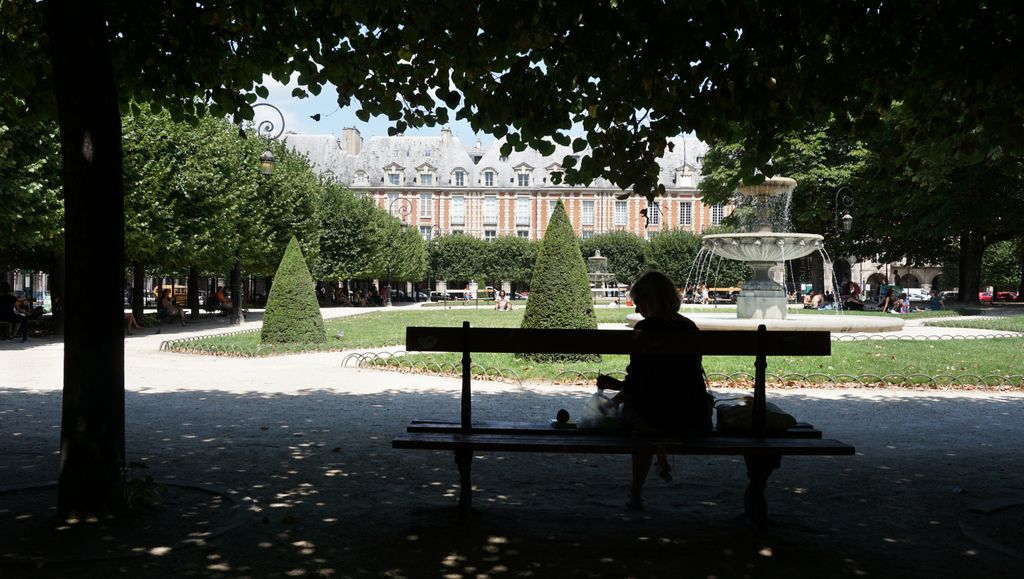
x: 801, y: 430
x: 617, y: 444
x: 547, y: 341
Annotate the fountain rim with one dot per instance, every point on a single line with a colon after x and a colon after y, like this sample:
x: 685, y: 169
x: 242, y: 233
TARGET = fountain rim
x: 770, y: 187
x: 764, y: 234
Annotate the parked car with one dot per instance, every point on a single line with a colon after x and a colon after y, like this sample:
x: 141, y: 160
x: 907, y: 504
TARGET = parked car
x: 985, y: 297
x: 917, y: 294
x: 1004, y: 296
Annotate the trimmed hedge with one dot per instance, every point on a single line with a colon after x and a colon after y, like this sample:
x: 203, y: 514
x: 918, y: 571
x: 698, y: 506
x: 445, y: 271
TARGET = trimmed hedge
x: 560, y: 290
x: 293, y: 314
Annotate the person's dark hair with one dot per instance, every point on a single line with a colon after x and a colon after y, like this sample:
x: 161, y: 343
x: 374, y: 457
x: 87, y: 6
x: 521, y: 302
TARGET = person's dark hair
x: 657, y: 292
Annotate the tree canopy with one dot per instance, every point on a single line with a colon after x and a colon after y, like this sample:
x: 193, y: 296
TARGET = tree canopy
x: 630, y: 74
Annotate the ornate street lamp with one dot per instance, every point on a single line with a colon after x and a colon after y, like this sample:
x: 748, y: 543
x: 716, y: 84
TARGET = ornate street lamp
x: 405, y: 207
x: 843, y: 205
x: 435, y: 232
x: 268, y: 130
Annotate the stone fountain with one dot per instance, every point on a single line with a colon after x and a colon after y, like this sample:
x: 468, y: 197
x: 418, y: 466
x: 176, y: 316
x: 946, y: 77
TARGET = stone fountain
x: 763, y: 300
x: 762, y: 249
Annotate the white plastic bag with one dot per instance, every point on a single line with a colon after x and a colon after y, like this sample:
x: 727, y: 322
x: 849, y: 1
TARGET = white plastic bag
x: 600, y: 412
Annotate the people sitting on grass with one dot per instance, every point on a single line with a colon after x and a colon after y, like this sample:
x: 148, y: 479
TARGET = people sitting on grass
x: 501, y: 302
x: 886, y: 301
x: 817, y: 300
x: 935, y: 301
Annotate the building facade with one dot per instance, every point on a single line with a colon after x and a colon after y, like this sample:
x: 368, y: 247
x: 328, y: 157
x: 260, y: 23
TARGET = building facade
x: 442, y: 187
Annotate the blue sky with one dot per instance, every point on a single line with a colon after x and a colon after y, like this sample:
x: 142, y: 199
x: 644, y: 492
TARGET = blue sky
x: 297, y: 114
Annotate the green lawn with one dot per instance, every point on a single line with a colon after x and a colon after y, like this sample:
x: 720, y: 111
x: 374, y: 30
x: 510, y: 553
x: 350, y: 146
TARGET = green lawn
x: 948, y: 361
x: 1010, y: 324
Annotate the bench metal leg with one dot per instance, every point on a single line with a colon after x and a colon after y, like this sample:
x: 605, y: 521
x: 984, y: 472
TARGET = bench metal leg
x: 759, y: 468
x: 463, y: 459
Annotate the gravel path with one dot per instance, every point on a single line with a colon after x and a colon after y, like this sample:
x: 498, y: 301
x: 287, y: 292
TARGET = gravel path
x: 299, y: 447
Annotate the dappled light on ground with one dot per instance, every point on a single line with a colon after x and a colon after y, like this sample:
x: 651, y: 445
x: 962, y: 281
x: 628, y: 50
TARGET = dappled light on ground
x: 306, y: 484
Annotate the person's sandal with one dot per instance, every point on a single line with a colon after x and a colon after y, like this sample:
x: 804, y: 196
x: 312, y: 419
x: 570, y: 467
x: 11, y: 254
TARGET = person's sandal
x: 635, y: 503
x: 665, y: 472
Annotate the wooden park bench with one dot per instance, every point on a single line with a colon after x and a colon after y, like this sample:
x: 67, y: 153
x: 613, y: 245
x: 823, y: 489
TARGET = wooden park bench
x: 761, y: 449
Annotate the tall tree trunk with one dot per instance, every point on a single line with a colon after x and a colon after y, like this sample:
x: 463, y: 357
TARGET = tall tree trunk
x: 138, y: 290
x: 972, y: 248
x: 1020, y: 281
x: 236, y: 290
x: 193, y: 291
x: 92, y: 423
x: 57, y: 278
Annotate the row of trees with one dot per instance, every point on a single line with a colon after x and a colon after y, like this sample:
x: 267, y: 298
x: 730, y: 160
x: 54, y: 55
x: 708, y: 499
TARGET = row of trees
x: 195, y: 200
x: 462, y: 258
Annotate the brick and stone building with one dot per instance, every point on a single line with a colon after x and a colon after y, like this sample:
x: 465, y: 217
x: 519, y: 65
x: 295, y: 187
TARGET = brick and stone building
x: 448, y: 187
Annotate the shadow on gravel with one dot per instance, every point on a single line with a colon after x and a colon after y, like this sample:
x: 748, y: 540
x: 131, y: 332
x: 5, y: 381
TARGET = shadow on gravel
x: 308, y: 485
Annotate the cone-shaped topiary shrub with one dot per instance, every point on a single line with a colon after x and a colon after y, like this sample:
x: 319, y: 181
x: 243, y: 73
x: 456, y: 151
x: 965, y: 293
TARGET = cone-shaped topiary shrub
x: 560, y: 290
x: 293, y: 314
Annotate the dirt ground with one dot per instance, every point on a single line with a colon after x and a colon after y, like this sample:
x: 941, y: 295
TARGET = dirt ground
x: 282, y: 467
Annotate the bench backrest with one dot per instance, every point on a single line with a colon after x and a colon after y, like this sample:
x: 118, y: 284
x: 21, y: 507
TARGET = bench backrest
x: 538, y: 341
x: 758, y: 343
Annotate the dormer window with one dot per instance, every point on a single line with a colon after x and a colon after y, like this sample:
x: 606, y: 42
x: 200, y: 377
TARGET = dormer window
x: 556, y: 174
x: 523, y: 172
x: 489, y: 178
x: 458, y: 178
x: 394, y: 175
x: 686, y: 177
x: 361, y: 179
x: 425, y: 175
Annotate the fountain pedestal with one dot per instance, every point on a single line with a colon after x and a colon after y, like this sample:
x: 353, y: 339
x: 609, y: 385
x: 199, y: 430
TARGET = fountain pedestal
x: 762, y: 297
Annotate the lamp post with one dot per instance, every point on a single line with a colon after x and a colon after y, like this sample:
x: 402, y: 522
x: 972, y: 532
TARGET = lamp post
x: 843, y: 205
x: 435, y: 232
x: 404, y: 209
x: 269, y: 131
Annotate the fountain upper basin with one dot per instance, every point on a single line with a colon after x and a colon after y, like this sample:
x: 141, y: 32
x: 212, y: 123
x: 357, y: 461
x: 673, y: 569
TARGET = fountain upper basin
x: 763, y: 246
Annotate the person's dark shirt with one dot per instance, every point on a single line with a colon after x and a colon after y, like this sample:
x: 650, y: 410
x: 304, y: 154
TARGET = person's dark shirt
x: 7, y: 303
x: 667, y: 391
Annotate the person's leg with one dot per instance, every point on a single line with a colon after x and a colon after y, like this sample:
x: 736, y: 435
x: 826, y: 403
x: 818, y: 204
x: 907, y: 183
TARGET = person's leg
x: 641, y: 465
x: 22, y: 325
x: 664, y: 468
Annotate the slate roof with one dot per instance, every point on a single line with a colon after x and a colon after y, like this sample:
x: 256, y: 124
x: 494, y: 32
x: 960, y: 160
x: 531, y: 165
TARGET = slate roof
x: 446, y: 153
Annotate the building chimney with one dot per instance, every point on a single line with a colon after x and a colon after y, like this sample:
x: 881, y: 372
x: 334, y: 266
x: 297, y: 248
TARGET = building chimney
x: 446, y: 136
x: 351, y: 142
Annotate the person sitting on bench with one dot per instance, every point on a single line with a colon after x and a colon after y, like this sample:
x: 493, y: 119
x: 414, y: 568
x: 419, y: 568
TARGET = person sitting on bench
x: 9, y: 311
x: 167, y: 309
x: 660, y: 393
x: 222, y: 303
